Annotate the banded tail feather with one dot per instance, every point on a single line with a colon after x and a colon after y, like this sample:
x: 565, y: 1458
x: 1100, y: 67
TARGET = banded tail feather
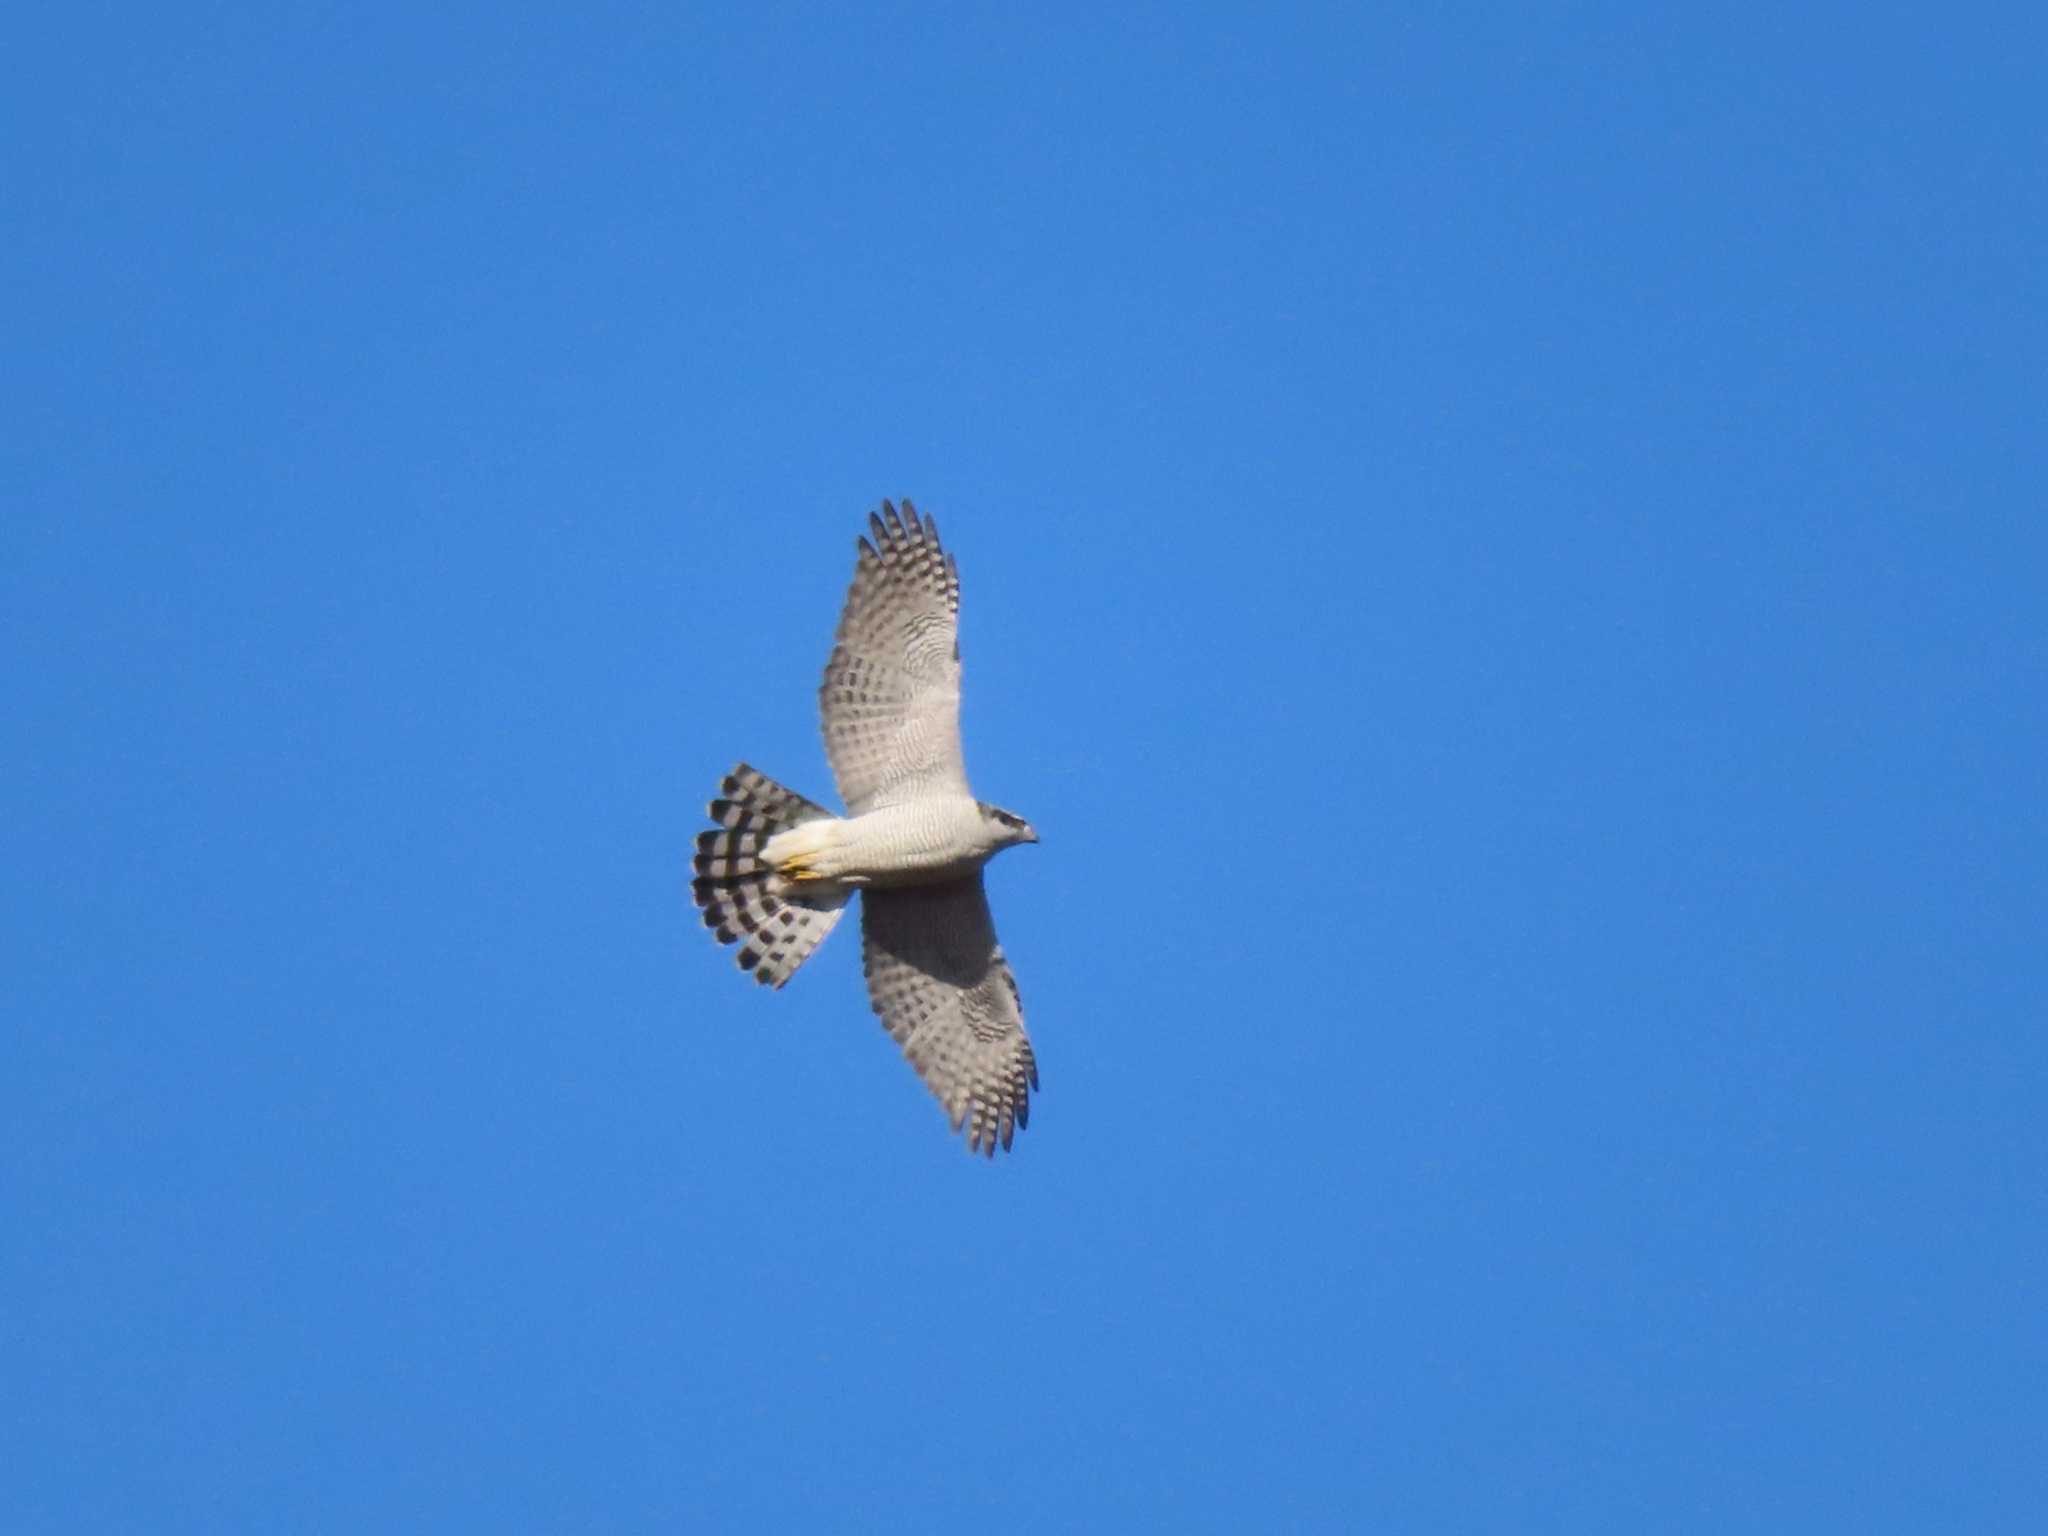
x: 746, y: 902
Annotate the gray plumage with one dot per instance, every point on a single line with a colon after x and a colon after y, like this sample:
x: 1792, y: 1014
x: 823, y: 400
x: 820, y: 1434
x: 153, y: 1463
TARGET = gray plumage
x: 777, y: 872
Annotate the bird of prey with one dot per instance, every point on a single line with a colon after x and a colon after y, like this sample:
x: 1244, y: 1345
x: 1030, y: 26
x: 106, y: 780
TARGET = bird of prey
x: 778, y: 870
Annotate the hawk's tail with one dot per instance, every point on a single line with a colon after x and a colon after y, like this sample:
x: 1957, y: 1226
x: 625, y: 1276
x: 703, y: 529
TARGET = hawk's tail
x: 743, y: 899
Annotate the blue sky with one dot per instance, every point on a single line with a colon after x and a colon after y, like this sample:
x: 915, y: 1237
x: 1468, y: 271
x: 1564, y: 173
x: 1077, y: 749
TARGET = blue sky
x: 1503, y: 552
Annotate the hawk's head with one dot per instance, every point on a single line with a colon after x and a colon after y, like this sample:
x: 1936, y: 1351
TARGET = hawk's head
x: 1007, y: 827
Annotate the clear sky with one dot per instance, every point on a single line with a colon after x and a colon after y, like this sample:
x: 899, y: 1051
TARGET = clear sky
x: 1503, y: 552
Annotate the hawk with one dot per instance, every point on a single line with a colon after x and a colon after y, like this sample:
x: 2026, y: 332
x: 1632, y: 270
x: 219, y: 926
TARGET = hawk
x: 777, y: 872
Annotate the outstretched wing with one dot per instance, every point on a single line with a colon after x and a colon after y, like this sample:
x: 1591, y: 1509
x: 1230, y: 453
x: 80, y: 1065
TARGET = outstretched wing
x: 891, y: 695
x: 938, y: 980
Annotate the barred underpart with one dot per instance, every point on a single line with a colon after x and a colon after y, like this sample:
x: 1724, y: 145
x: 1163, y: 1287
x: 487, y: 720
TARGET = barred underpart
x: 775, y: 924
x: 940, y: 985
x: 890, y: 700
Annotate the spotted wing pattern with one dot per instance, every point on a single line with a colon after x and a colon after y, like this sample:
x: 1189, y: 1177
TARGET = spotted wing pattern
x: 891, y: 695
x: 938, y: 980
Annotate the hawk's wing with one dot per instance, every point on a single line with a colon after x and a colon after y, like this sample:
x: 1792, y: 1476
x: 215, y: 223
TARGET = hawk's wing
x: 891, y: 695
x: 939, y: 981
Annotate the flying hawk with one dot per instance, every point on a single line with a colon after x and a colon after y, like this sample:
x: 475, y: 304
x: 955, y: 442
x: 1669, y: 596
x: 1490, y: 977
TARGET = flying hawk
x: 778, y: 871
